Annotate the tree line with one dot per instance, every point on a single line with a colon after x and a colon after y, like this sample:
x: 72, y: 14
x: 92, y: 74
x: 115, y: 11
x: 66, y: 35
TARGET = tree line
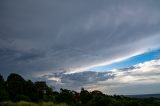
x: 16, y: 88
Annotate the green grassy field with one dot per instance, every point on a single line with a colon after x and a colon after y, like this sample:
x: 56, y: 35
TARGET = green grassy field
x: 23, y: 103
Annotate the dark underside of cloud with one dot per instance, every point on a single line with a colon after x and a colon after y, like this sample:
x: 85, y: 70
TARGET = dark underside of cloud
x: 76, y: 80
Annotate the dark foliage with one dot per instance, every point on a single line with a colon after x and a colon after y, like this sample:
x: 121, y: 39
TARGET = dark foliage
x: 21, y: 98
x: 65, y: 96
x: 4, y: 96
x: 15, y: 88
x: 85, y: 96
x: 15, y: 85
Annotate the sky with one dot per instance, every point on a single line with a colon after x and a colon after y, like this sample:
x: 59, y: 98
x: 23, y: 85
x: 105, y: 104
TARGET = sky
x: 107, y: 45
x: 129, y: 62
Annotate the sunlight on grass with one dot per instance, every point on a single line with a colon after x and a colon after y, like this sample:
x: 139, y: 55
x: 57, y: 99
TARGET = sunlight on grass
x: 23, y: 103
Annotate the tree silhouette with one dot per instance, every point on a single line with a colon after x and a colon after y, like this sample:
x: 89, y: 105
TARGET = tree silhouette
x: 3, y: 92
x: 85, y: 96
x: 15, y: 85
x: 18, y: 89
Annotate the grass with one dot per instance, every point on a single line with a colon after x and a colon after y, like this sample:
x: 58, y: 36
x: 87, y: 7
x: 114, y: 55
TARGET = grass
x: 23, y: 103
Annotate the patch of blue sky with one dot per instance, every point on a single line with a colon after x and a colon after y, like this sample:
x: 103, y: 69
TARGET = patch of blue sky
x: 130, y: 61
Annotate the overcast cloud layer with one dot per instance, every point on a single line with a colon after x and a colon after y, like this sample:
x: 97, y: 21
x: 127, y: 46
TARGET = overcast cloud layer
x: 54, y: 36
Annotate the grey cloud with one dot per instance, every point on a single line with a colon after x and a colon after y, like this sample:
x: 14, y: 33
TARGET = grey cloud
x: 76, y: 80
x: 87, y: 77
x: 67, y: 35
x: 129, y: 69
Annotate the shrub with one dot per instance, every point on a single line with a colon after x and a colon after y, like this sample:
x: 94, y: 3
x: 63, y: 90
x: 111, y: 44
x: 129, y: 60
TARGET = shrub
x: 21, y: 98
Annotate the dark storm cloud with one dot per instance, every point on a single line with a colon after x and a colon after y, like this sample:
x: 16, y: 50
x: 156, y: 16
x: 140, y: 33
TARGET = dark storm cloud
x: 87, y: 77
x: 76, y: 80
x: 11, y: 60
x: 16, y: 56
x: 38, y: 37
